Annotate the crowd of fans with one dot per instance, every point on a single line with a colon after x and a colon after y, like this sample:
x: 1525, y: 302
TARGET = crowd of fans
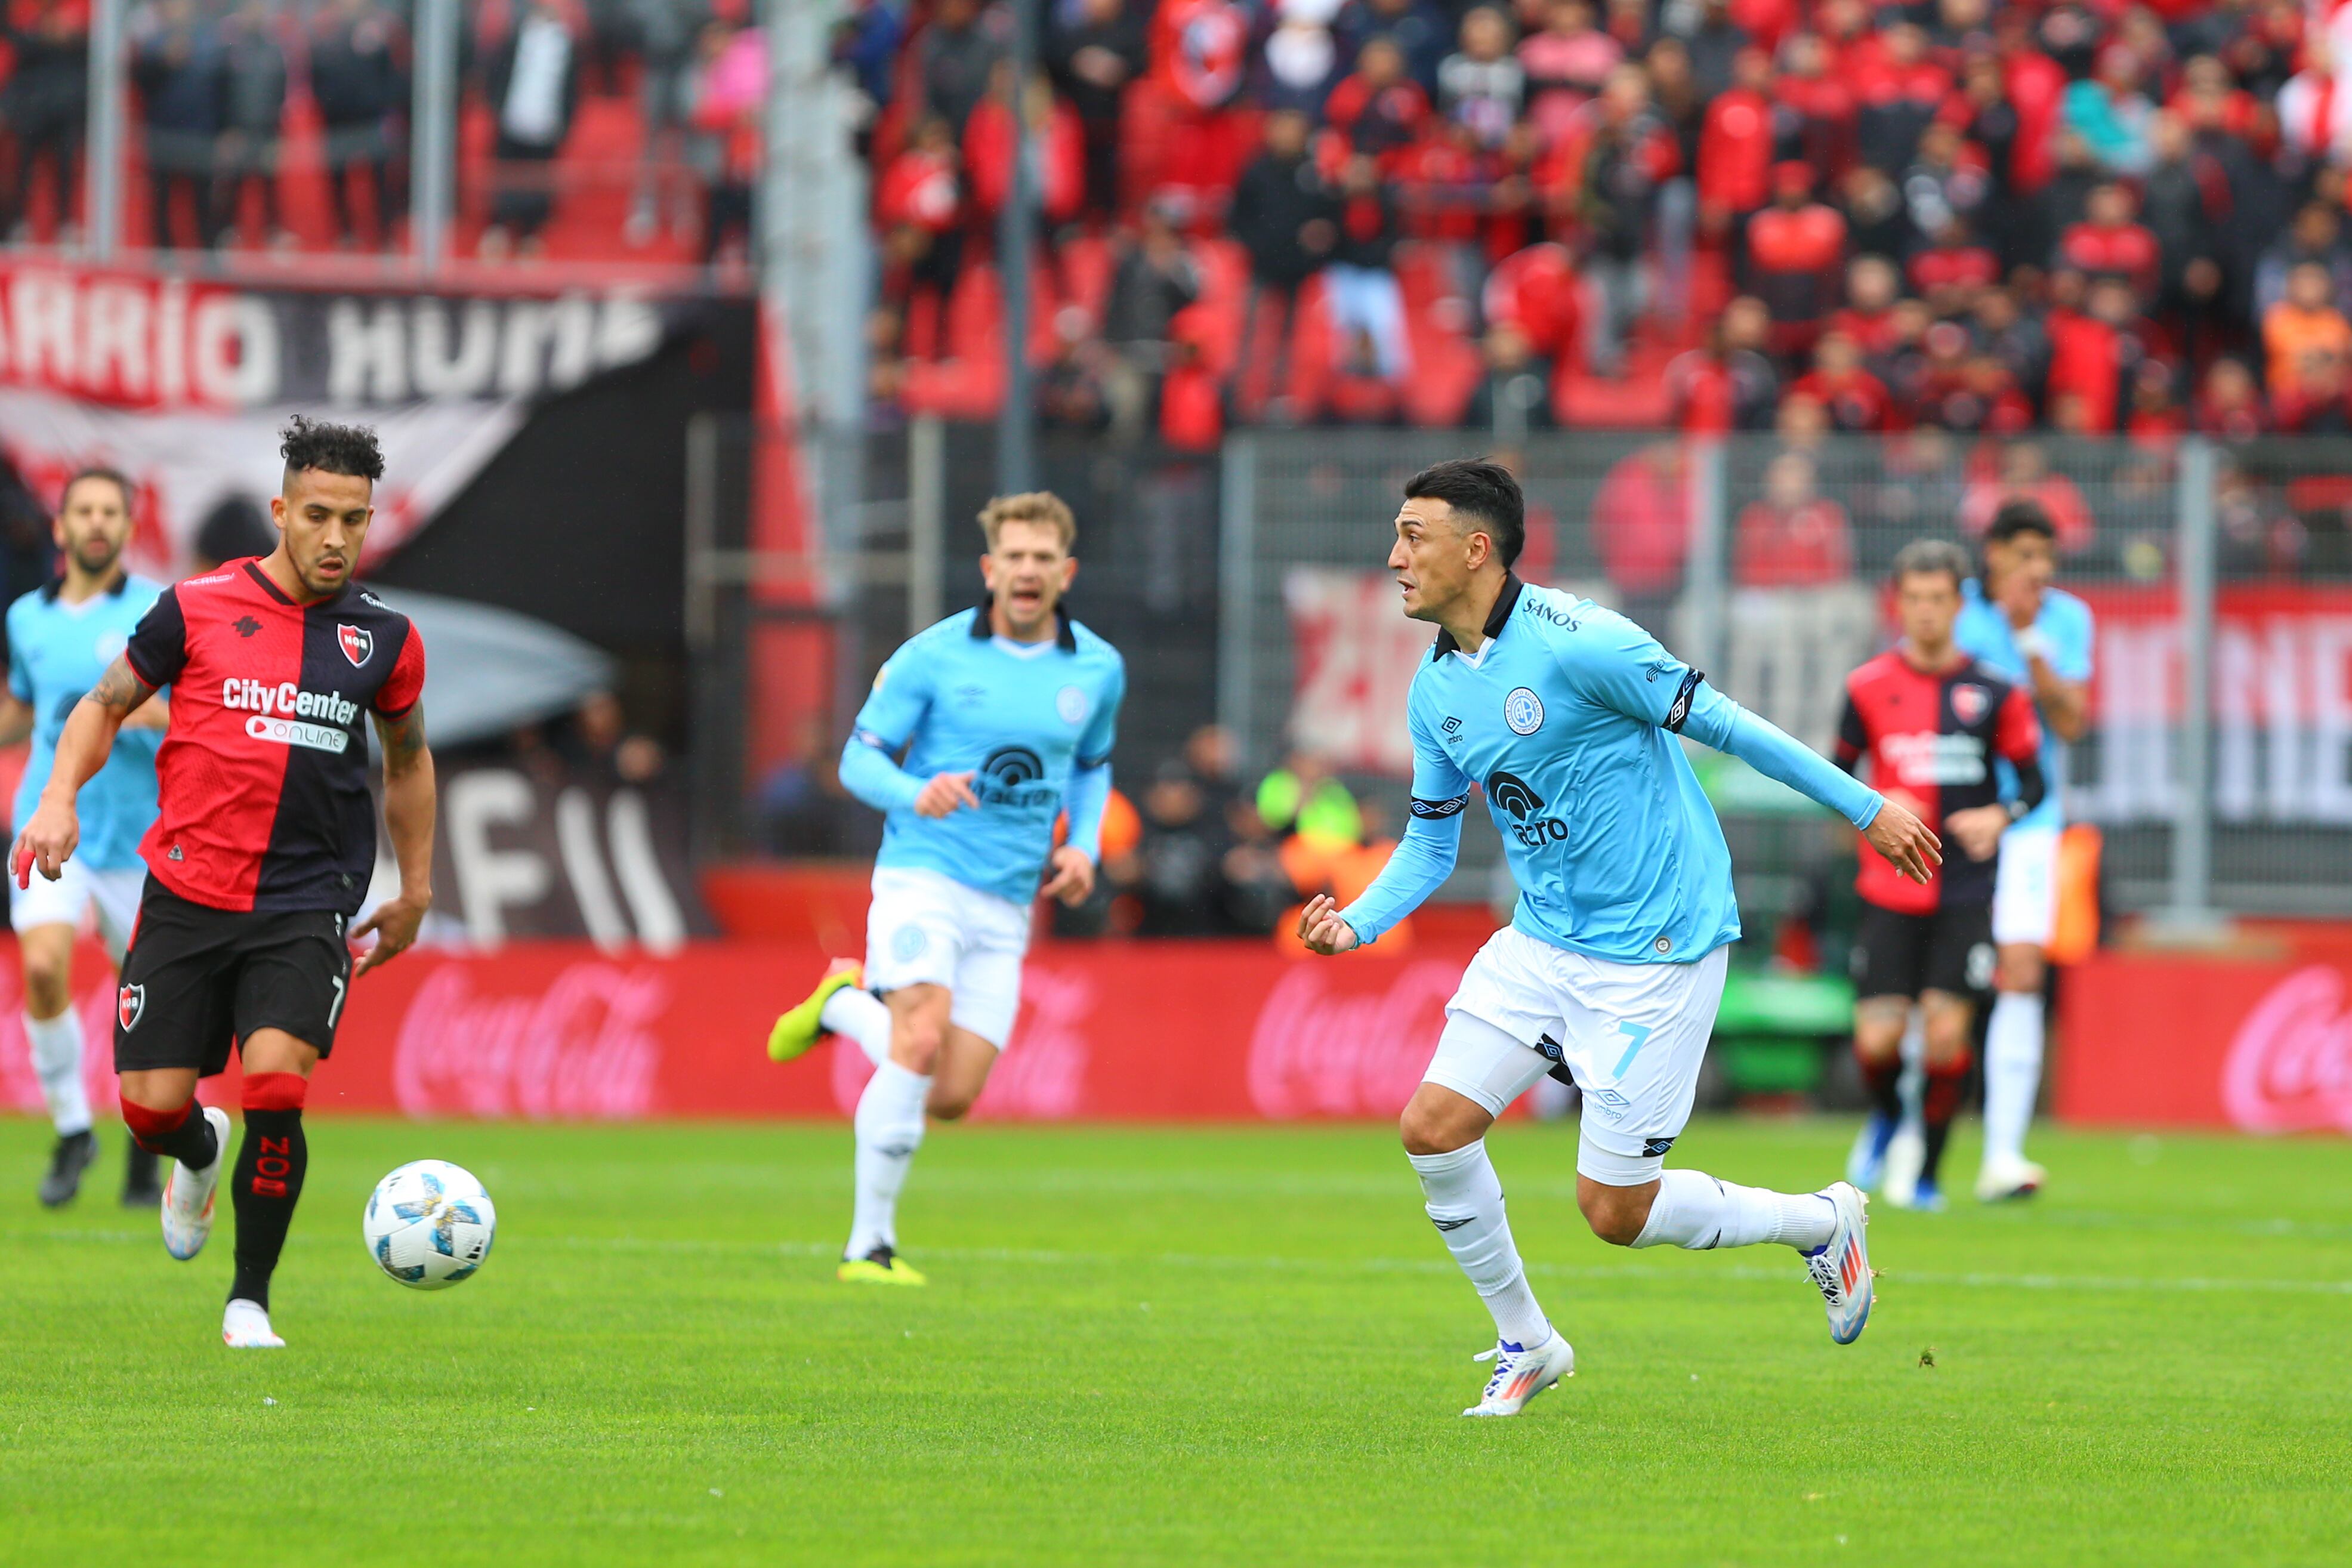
x: 238, y: 105
x: 2091, y: 217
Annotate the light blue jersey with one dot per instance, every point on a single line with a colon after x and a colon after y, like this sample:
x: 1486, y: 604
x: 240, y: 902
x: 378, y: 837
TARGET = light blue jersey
x: 1569, y: 716
x: 56, y: 652
x: 2064, y: 623
x: 1033, y: 723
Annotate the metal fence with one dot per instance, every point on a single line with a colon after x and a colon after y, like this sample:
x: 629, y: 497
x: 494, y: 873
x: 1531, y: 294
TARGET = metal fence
x: 2219, y: 764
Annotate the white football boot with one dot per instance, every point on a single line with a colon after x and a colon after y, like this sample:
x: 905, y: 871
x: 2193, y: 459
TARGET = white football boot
x: 2007, y: 1176
x: 187, y: 1206
x: 1841, y: 1265
x: 245, y: 1327
x: 1906, y: 1156
x: 1521, y: 1375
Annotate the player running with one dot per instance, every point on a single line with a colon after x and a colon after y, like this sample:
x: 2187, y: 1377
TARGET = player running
x: 1933, y: 721
x: 263, y: 847
x: 1006, y: 714
x: 2040, y: 637
x: 1613, y: 966
x: 61, y: 638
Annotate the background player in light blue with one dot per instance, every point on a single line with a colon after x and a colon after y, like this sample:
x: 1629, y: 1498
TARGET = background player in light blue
x: 2040, y: 637
x: 1568, y: 715
x: 61, y: 638
x: 1006, y: 714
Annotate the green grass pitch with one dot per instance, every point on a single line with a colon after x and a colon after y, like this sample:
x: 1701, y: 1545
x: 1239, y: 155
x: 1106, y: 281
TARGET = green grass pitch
x: 1183, y: 1346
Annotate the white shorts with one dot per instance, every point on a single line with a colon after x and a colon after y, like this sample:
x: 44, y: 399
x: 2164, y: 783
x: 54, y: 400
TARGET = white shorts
x: 924, y: 928
x: 1632, y: 1034
x: 2025, y: 887
x: 113, y: 896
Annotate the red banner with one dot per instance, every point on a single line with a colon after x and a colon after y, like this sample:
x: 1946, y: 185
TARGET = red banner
x: 561, y: 1031
x: 2261, y: 1045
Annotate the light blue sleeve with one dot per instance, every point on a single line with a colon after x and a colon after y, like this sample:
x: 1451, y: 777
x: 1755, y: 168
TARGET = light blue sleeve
x: 1102, y: 725
x: 1717, y: 720
x: 1623, y: 666
x: 894, y: 710
x: 20, y: 679
x: 2069, y: 643
x: 1424, y: 857
x: 1089, y: 793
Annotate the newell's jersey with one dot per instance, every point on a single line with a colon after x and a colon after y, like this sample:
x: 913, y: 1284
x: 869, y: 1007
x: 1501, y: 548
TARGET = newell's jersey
x: 56, y: 652
x: 264, y: 771
x: 2064, y: 623
x: 1020, y: 719
x: 1562, y: 717
x: 1933, y: 741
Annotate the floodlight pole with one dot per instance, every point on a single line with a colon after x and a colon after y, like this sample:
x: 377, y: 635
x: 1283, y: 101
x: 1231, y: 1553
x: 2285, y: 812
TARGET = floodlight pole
x: 102, y: 164
x: 433, y: 135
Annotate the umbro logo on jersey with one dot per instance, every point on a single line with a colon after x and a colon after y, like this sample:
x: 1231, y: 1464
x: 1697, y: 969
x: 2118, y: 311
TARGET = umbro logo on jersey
x: 245, y: 626
x: 358, y: 644
x: 1452, y: 728
x: 1654, y: 1147
x: 129, y: 1002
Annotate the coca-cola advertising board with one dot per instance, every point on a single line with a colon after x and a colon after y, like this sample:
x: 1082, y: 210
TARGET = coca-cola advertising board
x: 564, y: 1031
x: 2175, y: 1040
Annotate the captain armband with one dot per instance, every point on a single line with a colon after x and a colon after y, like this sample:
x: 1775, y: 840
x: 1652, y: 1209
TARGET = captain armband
x: 1678, y: 713
x: 1432, y: 808
x: 867, y: 737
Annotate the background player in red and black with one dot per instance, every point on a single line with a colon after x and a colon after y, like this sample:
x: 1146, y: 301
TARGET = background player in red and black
x: 1931, y: 720
x: 262, y: 848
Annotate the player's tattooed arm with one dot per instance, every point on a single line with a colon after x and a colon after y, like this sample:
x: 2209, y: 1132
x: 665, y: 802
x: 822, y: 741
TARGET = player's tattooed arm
x: 120, y: 691
x: 408, y: 807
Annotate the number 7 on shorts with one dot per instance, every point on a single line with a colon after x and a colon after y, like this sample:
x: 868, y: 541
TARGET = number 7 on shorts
x: 1637, y: 1036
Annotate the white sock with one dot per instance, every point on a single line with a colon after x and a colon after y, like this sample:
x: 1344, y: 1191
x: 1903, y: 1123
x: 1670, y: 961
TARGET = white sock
x: 1465, y: 1201
x: 2013, y: 1071
x: 861, y: 1017
x: 56, y: 1062
x: 1693, y: 1209
x: 889, y: 1123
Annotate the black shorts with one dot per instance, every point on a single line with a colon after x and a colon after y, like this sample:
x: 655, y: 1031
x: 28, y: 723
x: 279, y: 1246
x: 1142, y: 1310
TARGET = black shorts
x: 198, y: 978
x: 1948, y: 949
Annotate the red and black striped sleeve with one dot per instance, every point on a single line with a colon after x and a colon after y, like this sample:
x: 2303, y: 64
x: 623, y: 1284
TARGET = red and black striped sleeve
x: 1854, y: 735
x: 405, y: 684
x: 2017, y: 733
x: 158, y: 648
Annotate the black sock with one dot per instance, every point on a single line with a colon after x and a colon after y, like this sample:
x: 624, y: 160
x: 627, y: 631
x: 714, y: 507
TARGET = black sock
x: 264, y: 1188
x: 1939, y: 1102
x: 1883, y: 1081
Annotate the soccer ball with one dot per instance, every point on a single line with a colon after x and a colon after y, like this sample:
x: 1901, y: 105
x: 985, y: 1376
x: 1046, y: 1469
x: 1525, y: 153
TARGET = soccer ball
x: 429, y: 1224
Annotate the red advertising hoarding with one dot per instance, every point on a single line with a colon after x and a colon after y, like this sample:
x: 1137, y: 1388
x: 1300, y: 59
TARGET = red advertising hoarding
x: 554, y: 1030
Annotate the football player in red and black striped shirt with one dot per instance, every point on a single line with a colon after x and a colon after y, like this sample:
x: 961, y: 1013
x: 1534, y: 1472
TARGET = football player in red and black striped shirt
x: 262, y: 850
x: 1933, y: 721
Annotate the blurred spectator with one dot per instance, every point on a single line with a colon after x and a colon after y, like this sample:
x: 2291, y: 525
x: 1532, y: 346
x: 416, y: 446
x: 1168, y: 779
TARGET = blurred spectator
x: 2231, y: 406
x: 1565, y: 65
x: 1734, y: 147
x: 1901, y: 87
x: 955, y: 57
x: 1367, y: 307
x: 177, y: 62
x: 1712, y: 43
x: 604, y: 746
x: 534, y: 89
x: 1096, y: 52
x: 667, y: 32
x: 1851, y: 399
x: 1191, y: 402
x: 1794, y: 537
x: 1795, y: 256
x: 1640, y: 528
x: 1072, y: 393
x: 1418, y: 28
x: 1057, y: 145
x: 2304, y: 334
x: 1377, y: 107
x: 917, y: 206
x: 1154, y: 281
x: 726, y: 100
x: 2316, y: 235
x: 252, y: 111
x: 1514, y: 395
x: 1301, y: 59
x: 1481, y: 88
x: 45, y: 104
x: 1285, y: 217
x: 1729, y: 384
x: 237, y: 527
x: 2185, y: 200
x: 360, y: 87
x: 2096, y: 355
x: 2109, y: 241
x: 2020, y: 470
x: 1628, y: 155
x: 2111, y: 114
